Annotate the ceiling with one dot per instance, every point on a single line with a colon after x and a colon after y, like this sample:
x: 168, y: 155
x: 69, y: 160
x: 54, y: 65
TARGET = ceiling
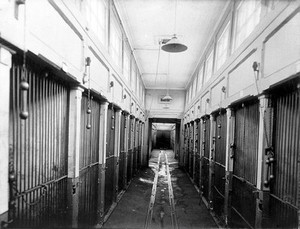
x: 146, y: 22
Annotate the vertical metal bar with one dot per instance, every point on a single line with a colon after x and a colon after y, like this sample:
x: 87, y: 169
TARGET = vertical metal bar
x: 29, y: 133
x: 283, y: 150
x: 43, y: 130
x: 289, y: 155
x: 55, y: 124
x: 230, y: 136
x: 39, y: 132
x: 52, y: 127
x: 36, y: 134
x: 278, y: 126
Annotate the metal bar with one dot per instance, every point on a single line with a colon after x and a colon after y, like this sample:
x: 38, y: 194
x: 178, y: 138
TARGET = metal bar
x: 237, y: 212
x: 284, y: 202
x: 40, y: 186
x: 217, y: 163
x: 217, y: 190
x: 171, y: 196
x: 36, y: 132
x: 88, y: 166
x: 152, y: 198
x: 30, y: 132
x: 43, y: 121
x: 242, y: 179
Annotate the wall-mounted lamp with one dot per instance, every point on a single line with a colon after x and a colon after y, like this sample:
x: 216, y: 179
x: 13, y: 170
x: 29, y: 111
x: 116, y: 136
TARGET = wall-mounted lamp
x: 198, y: 107
x: 86, y: 74
x: 131, y: 104
x: 223, y: 89
x: 255, y: 66
x: 207, y: 100
x: 111, y: 84
x: 124, y: 96
x: 137, y: 109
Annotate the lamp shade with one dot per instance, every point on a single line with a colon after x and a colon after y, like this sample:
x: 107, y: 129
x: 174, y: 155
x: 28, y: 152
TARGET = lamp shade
x: 167, y: 98
x: 174, y: 45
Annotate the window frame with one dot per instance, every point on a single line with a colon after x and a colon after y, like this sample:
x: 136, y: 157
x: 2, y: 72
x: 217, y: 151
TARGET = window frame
x: 93, y: 16
x: 200, y: 78
x: 126, y: 54
x: 115, y: 30
x: 227, y: 25
x: 209, y: 57
x: 237, y: 7
x: 133, y: 75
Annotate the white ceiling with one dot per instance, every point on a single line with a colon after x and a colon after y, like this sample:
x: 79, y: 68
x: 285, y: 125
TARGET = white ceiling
x: 148, y: 21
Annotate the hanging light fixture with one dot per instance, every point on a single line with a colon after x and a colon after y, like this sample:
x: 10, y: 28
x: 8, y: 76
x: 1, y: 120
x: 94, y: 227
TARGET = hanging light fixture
x: 174, y: 45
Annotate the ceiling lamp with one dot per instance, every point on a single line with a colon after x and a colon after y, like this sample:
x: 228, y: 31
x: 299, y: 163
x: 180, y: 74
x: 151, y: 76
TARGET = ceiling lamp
x: 173, y: 45
x: 167, y: 98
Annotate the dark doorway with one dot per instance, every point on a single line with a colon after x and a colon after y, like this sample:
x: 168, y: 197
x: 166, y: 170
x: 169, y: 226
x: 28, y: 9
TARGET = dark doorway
x: 163, y: 139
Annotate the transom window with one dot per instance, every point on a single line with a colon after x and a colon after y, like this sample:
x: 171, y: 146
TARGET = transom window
x: 247, y: 17
x: 133, y: 78
x: 222, y: 47
x: 126, y: 64
x: 209, y: 66
x: 195, y: 87
x: 97, y: 18
x: 116, y: 42
x: 200, y: 78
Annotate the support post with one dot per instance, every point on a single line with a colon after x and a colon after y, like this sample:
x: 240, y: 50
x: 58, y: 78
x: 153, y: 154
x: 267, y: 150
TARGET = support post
x: 126, y: 136
x: 5, y: 65
x: 201, y: 154
x: 177, y: 142
x: 262, y: 202
x: 143, y: 145
x: 117, y: 152
x: 73, y: 155
x: 198, y: 153
x: 102, y: 161
x: 189, y: 147
x: 211, y: 159
x: 149, y: 140
x: 194, y: 150
x: 229, y: 163
x: 182, y: 146
x: 131, y: 146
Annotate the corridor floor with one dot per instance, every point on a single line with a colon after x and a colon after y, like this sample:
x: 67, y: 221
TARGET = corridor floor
x: 152, y: 202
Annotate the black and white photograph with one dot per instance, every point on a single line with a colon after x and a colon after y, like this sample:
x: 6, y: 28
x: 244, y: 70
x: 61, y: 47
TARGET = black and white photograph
x: 153, y: 114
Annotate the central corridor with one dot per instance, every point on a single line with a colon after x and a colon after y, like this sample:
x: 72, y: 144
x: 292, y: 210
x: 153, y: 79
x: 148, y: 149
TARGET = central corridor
x: 161, y: 196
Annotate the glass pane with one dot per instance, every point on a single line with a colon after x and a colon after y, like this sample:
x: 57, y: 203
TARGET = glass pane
x: 200, y: 78
x: 209, y: 67
x: 222, y: 47
x: 247, y: 17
